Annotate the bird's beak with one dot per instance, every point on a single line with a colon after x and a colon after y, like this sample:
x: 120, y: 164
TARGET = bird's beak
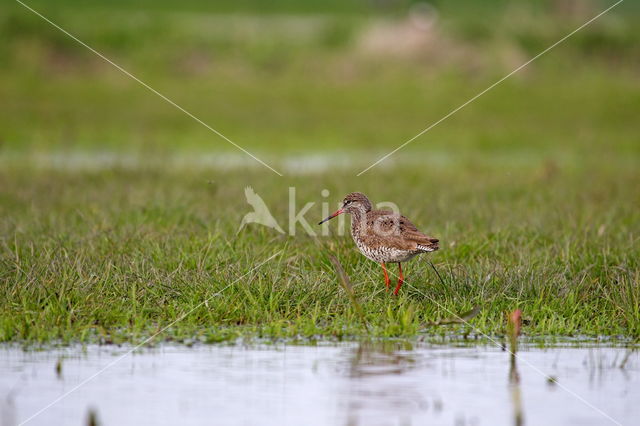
x: 331, y: 217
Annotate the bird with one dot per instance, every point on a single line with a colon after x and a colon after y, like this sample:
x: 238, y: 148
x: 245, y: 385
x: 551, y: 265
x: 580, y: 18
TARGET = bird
x: 383, y: 236
x: 260, y: 213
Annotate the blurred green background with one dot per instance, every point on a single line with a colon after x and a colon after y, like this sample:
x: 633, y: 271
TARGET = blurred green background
x: 350, y: 78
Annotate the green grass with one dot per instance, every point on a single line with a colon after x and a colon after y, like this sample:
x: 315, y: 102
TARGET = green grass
x: 532, y: 189
x: 120, y: 254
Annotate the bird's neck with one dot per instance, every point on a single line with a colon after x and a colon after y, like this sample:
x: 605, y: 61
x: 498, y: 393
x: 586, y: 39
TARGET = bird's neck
x: 357, y: 217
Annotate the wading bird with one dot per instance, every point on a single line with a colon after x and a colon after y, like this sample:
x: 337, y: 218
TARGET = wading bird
x: 383, y: 236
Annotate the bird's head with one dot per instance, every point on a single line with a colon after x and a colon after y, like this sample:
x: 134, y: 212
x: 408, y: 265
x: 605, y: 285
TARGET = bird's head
x: 352, y: 203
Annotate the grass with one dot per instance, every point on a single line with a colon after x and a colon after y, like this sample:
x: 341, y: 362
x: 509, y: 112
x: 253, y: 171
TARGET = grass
x: 118, y: 214
x: 79, y: 265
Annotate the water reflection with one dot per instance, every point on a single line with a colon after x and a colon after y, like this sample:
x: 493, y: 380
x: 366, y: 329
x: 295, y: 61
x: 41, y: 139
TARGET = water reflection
x: 380, y: 358
x: 373, y: 390
x: 516, y: 394
x: 8, y: 411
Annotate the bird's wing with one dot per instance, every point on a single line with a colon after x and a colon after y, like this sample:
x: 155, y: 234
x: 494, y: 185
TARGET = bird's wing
x: 411, y: 233
x: 394, y: 230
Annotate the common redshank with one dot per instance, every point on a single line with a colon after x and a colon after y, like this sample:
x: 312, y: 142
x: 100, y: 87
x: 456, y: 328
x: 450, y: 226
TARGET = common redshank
x: 384, y: 236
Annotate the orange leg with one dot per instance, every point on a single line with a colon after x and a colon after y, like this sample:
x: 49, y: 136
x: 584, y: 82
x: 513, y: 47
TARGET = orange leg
x: 386, y: 277
x: 400, y: 280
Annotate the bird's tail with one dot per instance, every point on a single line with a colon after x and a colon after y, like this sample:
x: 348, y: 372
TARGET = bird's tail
x: 429, y: 244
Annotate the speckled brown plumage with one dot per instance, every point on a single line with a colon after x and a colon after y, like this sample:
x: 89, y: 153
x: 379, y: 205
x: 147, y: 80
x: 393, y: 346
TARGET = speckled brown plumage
x: 384, y: 236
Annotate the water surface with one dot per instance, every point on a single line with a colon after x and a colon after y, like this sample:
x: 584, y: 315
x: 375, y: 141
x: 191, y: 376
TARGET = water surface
x: 385, y: 383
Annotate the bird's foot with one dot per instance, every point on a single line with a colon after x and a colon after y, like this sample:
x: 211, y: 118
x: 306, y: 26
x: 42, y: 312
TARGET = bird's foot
x: 395, y: 292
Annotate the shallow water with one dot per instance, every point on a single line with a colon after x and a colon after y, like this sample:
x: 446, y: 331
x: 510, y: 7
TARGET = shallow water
x: 387, y: 383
